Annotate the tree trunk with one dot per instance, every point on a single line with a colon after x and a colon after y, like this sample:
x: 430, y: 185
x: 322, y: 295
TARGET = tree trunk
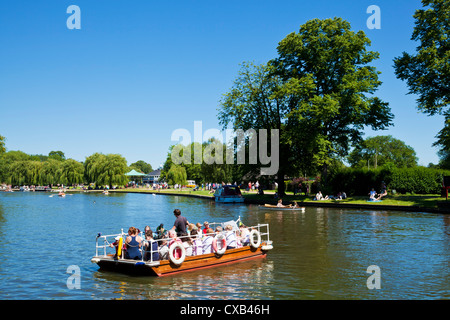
x: 281, y: 186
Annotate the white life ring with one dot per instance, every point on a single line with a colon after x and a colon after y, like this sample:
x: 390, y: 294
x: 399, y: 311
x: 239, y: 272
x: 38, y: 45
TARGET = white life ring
x: 172, y: 251
x: 252, y: 240
x: 219, y: 237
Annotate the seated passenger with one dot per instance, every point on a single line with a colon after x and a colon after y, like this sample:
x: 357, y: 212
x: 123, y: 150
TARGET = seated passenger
x: 150, y: 247
x: 187, y: 244
x: 115, y: 244
x: 230, y: 236
x: 160, y: 231
x: 133, y: 244
x: 197, y: 247
x: 207, y: 241
x: 174, y: 239
x: 245, y: 235
x: 280, y: 204
x: 206, y: 227
x: 164, y: 250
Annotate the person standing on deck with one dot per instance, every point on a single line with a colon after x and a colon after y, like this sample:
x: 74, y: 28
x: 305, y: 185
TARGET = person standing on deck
x: 180, y: 223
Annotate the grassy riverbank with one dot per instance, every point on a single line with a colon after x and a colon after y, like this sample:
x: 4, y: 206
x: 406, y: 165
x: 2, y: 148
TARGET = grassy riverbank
x: 427, y: 202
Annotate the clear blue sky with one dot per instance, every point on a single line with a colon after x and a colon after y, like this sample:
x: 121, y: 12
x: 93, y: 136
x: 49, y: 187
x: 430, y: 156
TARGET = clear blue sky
x: 139, y: 69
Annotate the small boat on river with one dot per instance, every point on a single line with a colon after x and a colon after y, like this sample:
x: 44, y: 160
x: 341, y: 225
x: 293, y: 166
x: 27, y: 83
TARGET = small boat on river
x: 257, y: 247
x: 284, y: 208
x: 228, y: 194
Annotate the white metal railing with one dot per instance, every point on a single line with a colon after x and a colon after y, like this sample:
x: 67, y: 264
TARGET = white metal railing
x: 263, y: 230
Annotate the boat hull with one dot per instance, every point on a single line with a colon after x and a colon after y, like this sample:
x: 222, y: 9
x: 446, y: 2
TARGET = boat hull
x: 191, y: 263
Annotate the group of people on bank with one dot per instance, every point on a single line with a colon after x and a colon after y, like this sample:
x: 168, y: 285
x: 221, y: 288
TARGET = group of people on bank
x: 195, y: 239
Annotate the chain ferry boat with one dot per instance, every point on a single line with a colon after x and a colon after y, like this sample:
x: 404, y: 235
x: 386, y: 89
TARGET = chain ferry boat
x: 179, y: 259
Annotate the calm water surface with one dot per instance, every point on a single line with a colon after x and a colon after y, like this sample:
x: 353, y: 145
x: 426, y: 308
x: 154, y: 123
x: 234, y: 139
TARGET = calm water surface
x: 318, y: 254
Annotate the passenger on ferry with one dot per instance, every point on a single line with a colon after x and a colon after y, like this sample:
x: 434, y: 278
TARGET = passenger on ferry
x: 207, y: 241
x: 160, y: 231
x: 230, y: 237
x: 115, y: 244
x: 187, y: 243
x: 180, y: 223
x: 199, y: 227
x: 197, y: 247
x: 150, y: 247
x: 191, y: 227
x: 206, y: 227
x: 133, y: 243
x: 164, y: 250
x: 245, y: 235
x: 174, y: 239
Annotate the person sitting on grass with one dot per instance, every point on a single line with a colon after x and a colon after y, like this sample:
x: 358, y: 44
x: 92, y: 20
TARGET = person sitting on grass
x: 383, y: 192
x: 372, y: 195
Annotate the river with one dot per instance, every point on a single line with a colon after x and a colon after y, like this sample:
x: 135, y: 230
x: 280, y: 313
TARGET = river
x: 322, y: 253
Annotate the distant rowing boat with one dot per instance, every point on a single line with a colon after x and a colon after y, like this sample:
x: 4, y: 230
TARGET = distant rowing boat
x: 287, y: 208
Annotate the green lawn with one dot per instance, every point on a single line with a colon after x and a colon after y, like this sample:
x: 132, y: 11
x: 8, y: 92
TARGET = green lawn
x: 426, y: 201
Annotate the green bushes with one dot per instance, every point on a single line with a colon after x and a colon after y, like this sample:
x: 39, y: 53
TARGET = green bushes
x: 418, y: 180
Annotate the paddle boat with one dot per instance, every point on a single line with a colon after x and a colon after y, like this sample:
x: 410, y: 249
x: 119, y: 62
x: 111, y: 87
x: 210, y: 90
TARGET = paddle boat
x: 228, y: 194
x: 177, y: 260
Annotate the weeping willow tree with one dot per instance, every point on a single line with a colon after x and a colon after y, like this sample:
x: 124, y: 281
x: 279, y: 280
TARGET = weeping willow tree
x: 51, y: 171
x: 106, y: 169
x: 177, y: 175
x: 72, y: 172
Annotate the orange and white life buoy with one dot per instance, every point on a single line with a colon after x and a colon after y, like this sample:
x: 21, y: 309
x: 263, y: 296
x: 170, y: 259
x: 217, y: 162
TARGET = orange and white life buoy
x: 219, y: 237
x: 172, y: 248
x: 253, y: 243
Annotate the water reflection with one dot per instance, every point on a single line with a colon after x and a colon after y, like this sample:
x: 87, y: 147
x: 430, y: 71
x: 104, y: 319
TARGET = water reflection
x: 250, y: 278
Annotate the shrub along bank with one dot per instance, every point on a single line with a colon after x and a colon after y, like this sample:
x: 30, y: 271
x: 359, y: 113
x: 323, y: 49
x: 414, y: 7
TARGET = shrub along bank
x: 417, y: 180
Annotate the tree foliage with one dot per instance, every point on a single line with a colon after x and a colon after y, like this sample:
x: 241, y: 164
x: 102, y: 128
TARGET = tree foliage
x: 427, y: 73
x: 2, y: 144
x: 177, y: 175
x: 107, y: 169
x: 319, y: 92
x: 141, y: 166
x: 379, y: 151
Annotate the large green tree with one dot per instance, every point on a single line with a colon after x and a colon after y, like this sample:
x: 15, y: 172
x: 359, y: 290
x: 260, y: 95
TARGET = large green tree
x: 318, y: 92
x: 72, y: 172
x: 107, y: 169
x: 176, y: 175
x: 111, y: 170
x: 427, y: 73
x: 142, y: 166
x: 379, y: 151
